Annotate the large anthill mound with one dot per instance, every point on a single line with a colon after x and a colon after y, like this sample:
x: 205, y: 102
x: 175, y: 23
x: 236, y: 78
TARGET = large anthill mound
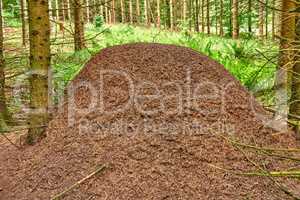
x: 156, y: 116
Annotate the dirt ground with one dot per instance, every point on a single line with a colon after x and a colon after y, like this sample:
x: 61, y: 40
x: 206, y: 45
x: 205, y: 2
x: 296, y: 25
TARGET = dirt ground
x: 162, y: 120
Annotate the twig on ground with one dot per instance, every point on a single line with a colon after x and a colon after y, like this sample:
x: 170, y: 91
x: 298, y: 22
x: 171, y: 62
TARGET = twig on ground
x: 62, y: 194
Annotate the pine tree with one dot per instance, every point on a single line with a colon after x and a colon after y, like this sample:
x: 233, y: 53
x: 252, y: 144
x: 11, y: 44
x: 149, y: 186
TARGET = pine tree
x: 4, y: 115
x: 39, y: 33
x: 261, y: 19
x: 79, y: 26
x: 235, y: 22
x: 285, y: 60
x: 208, y: 16
x: 221, y: 17
x: 158, y: 12
x: 22, y: 14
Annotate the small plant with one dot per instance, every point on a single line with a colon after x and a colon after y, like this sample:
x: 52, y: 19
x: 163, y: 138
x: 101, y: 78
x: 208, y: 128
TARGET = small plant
x: 99, y: 21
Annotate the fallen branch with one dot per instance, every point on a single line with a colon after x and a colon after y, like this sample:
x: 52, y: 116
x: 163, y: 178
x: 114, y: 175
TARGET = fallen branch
x: 62, y: 194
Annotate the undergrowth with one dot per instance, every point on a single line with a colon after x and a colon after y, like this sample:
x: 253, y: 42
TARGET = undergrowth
x: 251, y: 61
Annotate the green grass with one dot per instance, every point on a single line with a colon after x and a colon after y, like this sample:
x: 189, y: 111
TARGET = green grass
x: 244, y: 58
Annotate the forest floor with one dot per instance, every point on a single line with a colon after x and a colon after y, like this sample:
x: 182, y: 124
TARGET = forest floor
x: 220, y: 145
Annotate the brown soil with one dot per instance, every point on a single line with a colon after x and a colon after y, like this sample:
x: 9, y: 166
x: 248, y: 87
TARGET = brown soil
x: 152, y: 155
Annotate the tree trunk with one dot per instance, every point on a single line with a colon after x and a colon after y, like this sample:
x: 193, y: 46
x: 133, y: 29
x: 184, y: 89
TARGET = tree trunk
x: 171, y: 15
x: 207, y: 16
x: 216, y: 13
x: 202, y: 16
x: 235, y: 21
x: 87, y: 10
x: 249, y: 16
x: 273, y: 21
x: 285, y: 62
x: 138, y: 12
x: 266, y: 19
x: 197, y: 17
x: 61, y: 10
x: 69, y: 9
x: 184, y: 11
x: 146, y: 12
x: 23, y: 23
x: 261, y: 19
x: 278, y: 4
x: 130, y: 12
x: 4, y: 115
x: 221, y: 17
x: 122, y: 11
x: 39, y: 31
x: 79, y: 26
x: 113, y: 12
x: 158, y: 13
x: 295, y: 89
x: 57, y: 10
x: 106, y: 14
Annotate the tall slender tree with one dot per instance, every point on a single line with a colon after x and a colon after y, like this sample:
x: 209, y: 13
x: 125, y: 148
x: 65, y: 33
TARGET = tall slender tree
x: 130, y: 12
x: 146, y: 12
x: 197, y: 16
x: 202, y: 16
x: 79, y: 43
x: 261, y: 19
x: 208, y: 16
x: 235, y: 21
x: 23, y: 20
x: 138, y: 11
x: 39, y: 32
x: 249, y: 16
x: 4, y: 115
x: 266, y: 19
x: 183, y: 10
x: 171, y: 15
x: 122, y: 11
x: 221, y: 17
x: 295, y: 89
x: 158, y: 12
x: 285, y: 60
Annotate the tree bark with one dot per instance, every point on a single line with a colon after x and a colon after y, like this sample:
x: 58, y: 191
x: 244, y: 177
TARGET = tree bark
x: 171, y: 15
x: 295, y: 89
x: 39, y: 31
x: 261, y: 19
x: 122, y: 11
x: 285, y: 61
x: 197, y: 16
x: 273, y: 21
x: 235, y: 21
x: 184, y: 11
x: 249, y: 16
x: 4, y: 115
x: 266, y: 20
x: 61, y: 10
x: 130, y: 12
x: 202, y: 16
x: 221, y: 17
x: 208, y: 16
x: 146, y: 12
x: 113, y: 12
x: 158, y: 13
x: 79, y: 26
x: 23, y: 22
x: 138, y: 11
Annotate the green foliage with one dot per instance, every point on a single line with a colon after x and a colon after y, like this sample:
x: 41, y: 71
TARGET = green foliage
x: 240, y: 57
x: 99, y: 21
